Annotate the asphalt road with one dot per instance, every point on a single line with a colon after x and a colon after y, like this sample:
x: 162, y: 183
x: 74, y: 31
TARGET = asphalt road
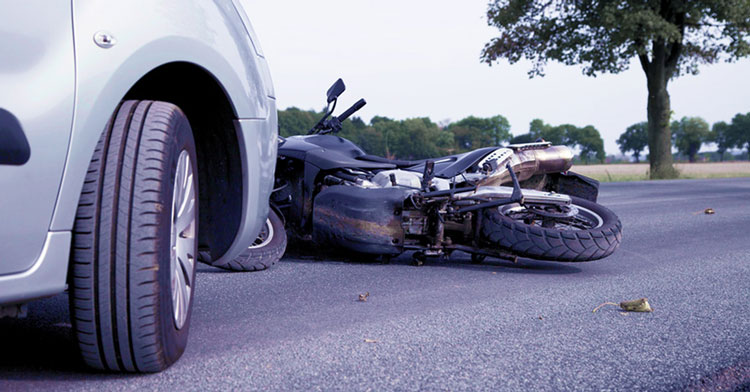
x: 457, y: 326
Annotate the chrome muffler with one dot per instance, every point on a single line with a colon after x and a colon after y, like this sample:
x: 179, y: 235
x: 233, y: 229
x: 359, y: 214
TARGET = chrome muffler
x: 526, y: 160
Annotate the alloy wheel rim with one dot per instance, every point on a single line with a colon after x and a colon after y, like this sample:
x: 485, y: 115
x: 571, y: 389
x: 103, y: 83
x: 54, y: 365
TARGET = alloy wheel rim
x: 182, y: 239
x: 582, y: 219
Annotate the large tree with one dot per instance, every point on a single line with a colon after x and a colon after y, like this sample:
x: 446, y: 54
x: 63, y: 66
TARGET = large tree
x: 634, y: 139
x: 689, y: 134
x: 668, y: 37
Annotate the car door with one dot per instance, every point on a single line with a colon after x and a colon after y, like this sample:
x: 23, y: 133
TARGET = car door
x: 37, y: 86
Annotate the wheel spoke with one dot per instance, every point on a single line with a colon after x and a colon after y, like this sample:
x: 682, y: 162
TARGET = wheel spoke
x: 184, y: 221
x: 186, y: 264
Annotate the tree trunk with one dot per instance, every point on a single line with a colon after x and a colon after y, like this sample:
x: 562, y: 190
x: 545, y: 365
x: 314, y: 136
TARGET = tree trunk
x: 693, y: 153
x: 659, y: 134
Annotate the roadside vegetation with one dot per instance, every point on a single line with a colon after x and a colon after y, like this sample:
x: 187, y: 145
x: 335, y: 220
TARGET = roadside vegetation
x: 417, y: 138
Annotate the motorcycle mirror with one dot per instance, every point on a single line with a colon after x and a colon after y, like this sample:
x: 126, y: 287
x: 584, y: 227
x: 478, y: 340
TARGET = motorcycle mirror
x: 336, y: 89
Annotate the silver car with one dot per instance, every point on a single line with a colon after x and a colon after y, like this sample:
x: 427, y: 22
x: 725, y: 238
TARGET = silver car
x: 133, y: 134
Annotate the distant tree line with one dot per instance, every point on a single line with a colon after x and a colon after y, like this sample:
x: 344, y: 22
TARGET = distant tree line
x: 689, y: 134
x: 587, y: 139
x: 417, y: 138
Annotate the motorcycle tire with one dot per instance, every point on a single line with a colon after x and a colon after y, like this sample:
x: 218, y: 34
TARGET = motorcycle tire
x: 527, y: 239
x: 265, y: 251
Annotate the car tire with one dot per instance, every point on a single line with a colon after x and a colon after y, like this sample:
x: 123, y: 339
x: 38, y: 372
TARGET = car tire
x: 132, y: 269
x: 265, y: 251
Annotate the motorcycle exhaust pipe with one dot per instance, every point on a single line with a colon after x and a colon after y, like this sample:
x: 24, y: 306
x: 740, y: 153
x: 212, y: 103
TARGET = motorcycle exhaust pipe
x: 527, y: 163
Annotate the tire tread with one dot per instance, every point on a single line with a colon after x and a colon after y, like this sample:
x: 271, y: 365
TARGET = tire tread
x: 551, y: 244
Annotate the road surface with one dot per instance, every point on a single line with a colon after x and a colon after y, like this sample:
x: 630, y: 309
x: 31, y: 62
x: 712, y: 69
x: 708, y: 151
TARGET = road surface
x: 458, y: 326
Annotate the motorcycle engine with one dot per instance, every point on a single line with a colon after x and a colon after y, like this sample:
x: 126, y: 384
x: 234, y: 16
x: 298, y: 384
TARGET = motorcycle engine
x: 388, y: 178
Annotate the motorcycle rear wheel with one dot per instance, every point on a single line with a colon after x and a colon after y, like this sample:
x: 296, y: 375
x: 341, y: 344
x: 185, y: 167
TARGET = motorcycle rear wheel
x: 593, y: 233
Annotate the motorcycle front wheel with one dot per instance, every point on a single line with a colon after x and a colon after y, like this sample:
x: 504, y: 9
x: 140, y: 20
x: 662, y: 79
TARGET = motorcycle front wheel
x: 583, y: 231
x: 265, y: 251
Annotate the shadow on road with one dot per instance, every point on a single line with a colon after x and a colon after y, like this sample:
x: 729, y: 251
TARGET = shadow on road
x: 42, y: 346
x: 459, y: 260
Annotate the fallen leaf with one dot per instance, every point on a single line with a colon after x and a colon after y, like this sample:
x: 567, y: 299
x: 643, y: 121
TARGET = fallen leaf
x: 370, y: 341
x: 541, y: 318
x: 636, y: 305
x: 363, y: 297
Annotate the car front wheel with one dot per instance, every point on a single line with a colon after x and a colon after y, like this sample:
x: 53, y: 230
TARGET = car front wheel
x: 132, y: 274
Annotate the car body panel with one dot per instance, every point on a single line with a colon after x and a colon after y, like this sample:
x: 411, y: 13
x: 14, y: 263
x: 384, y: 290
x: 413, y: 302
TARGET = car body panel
x: 194, y: 37
x: 47, y: 276
x: 214, y: 35
x: 37, y: 86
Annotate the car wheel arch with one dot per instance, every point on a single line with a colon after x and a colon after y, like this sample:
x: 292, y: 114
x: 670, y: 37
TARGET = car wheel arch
x: 211, y: 114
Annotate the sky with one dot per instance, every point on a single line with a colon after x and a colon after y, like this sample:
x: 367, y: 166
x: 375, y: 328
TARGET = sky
x: 418, y: 58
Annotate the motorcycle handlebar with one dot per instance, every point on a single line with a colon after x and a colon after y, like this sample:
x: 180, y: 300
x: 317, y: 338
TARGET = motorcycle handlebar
x: 348, y: 112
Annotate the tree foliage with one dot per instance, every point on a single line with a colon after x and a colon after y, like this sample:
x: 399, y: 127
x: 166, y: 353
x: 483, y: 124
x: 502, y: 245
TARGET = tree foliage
x: 720, y: 135
x: 472, y: 132
x: 294, y: 121
x: 604, y: 36
x: 689, y: 134
x: 635, y: 139
x: 668, y: 37
x: 739, y: 132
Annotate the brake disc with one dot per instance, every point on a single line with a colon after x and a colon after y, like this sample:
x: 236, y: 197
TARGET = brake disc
x: 555, y: 212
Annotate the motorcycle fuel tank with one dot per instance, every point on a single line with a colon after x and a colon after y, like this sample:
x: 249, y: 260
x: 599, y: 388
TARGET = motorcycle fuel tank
x: 328, y: 152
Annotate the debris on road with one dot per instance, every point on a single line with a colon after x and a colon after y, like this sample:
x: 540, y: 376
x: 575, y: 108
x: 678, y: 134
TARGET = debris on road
x: 370, y: 341
x: 363, y: 297
x: 636, y: 305
x: 707, y: 211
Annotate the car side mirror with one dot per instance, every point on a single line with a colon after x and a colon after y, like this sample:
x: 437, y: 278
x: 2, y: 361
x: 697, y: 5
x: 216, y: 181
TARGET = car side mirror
x: 336, y: 89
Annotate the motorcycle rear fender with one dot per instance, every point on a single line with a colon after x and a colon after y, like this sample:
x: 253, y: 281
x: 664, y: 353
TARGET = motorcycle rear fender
x: 573, y: 184
x: 360, y: 220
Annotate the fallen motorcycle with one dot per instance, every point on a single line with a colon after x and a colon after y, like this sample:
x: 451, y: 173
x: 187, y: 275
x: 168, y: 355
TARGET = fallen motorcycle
x: 502, y: 202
